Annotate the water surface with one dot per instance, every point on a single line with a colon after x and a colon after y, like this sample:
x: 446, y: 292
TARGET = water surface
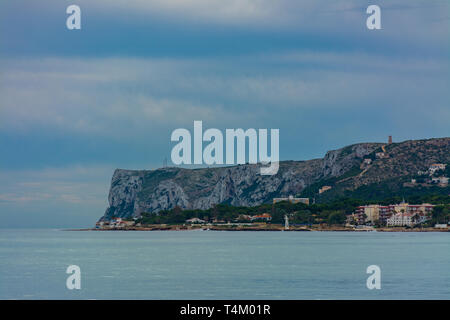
x: 223, y: 265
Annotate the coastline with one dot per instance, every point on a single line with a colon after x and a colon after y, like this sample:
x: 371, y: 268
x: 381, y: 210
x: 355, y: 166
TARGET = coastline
x: 262, y: 228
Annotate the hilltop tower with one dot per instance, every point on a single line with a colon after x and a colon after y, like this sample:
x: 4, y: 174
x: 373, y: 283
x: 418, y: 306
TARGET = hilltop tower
x: 389, y: 139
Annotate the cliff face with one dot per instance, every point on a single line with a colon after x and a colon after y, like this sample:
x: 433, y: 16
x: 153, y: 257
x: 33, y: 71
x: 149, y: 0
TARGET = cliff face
x: 135, y: 191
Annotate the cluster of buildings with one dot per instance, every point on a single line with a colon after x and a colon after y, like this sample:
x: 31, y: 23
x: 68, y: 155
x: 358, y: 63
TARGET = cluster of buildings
x: 258, y: 217
x: 441, y: 180
x: 115, y: 223
x: 402, y: 214
x: 432, y: 169
x: 432, y: 178
x: 435, y: 167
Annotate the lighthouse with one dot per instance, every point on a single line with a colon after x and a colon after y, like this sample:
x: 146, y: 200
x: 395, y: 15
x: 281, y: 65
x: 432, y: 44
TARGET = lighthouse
x: 286, y: 222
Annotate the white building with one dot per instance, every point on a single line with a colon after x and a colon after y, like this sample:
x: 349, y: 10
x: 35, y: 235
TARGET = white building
x: 436, y: 166
x: 195, y: 220
x: 292, y: 199
x: 440, y: 180
x: 114, y: 223
x: 380, y: 155
x: 405, y: 219
x: 99, y: 224
x: 400, y: 219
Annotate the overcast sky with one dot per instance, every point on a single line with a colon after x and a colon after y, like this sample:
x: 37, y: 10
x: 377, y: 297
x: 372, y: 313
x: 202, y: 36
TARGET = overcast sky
x: 75, y: 105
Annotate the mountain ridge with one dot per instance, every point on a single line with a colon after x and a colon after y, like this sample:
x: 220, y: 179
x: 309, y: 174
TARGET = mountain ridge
x: 133, y: 192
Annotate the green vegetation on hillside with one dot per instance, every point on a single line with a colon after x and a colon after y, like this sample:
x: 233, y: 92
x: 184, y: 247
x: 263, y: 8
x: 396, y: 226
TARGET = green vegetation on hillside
x: 332, y: 213
x: 386, y: 190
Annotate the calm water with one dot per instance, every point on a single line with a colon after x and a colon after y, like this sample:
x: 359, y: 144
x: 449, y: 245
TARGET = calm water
x: 223, y: 265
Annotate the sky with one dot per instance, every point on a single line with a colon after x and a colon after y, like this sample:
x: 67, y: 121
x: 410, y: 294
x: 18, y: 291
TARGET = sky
x: 76, y: 104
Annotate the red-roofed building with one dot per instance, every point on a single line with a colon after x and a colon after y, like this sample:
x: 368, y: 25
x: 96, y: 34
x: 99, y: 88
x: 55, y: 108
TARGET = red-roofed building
x: 264, y: 216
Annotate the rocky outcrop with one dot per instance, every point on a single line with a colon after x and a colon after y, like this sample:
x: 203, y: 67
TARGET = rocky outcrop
x: 135, y: 191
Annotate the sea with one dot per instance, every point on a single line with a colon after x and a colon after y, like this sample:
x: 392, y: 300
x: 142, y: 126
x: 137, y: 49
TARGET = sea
x: 223, y: 264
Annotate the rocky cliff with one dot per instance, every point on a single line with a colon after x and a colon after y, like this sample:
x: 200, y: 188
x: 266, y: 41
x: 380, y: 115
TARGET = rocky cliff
x: 135, y: 191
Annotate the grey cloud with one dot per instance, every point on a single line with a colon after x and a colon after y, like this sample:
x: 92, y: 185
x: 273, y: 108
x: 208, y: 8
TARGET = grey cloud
x: 137, y: 95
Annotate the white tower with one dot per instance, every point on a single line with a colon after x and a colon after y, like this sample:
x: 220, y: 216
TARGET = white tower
x: 286, y: 222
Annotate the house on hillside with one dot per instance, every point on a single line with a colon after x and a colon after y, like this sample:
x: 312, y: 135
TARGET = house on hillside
x: 324, y: 188
x: 435, y: 167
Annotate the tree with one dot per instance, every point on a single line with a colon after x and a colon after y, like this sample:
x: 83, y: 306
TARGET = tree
x: 278, y: 215
x: 337, y: 217
x: 303, y: 217
x: 378, y: 223
x: 441, y: 214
